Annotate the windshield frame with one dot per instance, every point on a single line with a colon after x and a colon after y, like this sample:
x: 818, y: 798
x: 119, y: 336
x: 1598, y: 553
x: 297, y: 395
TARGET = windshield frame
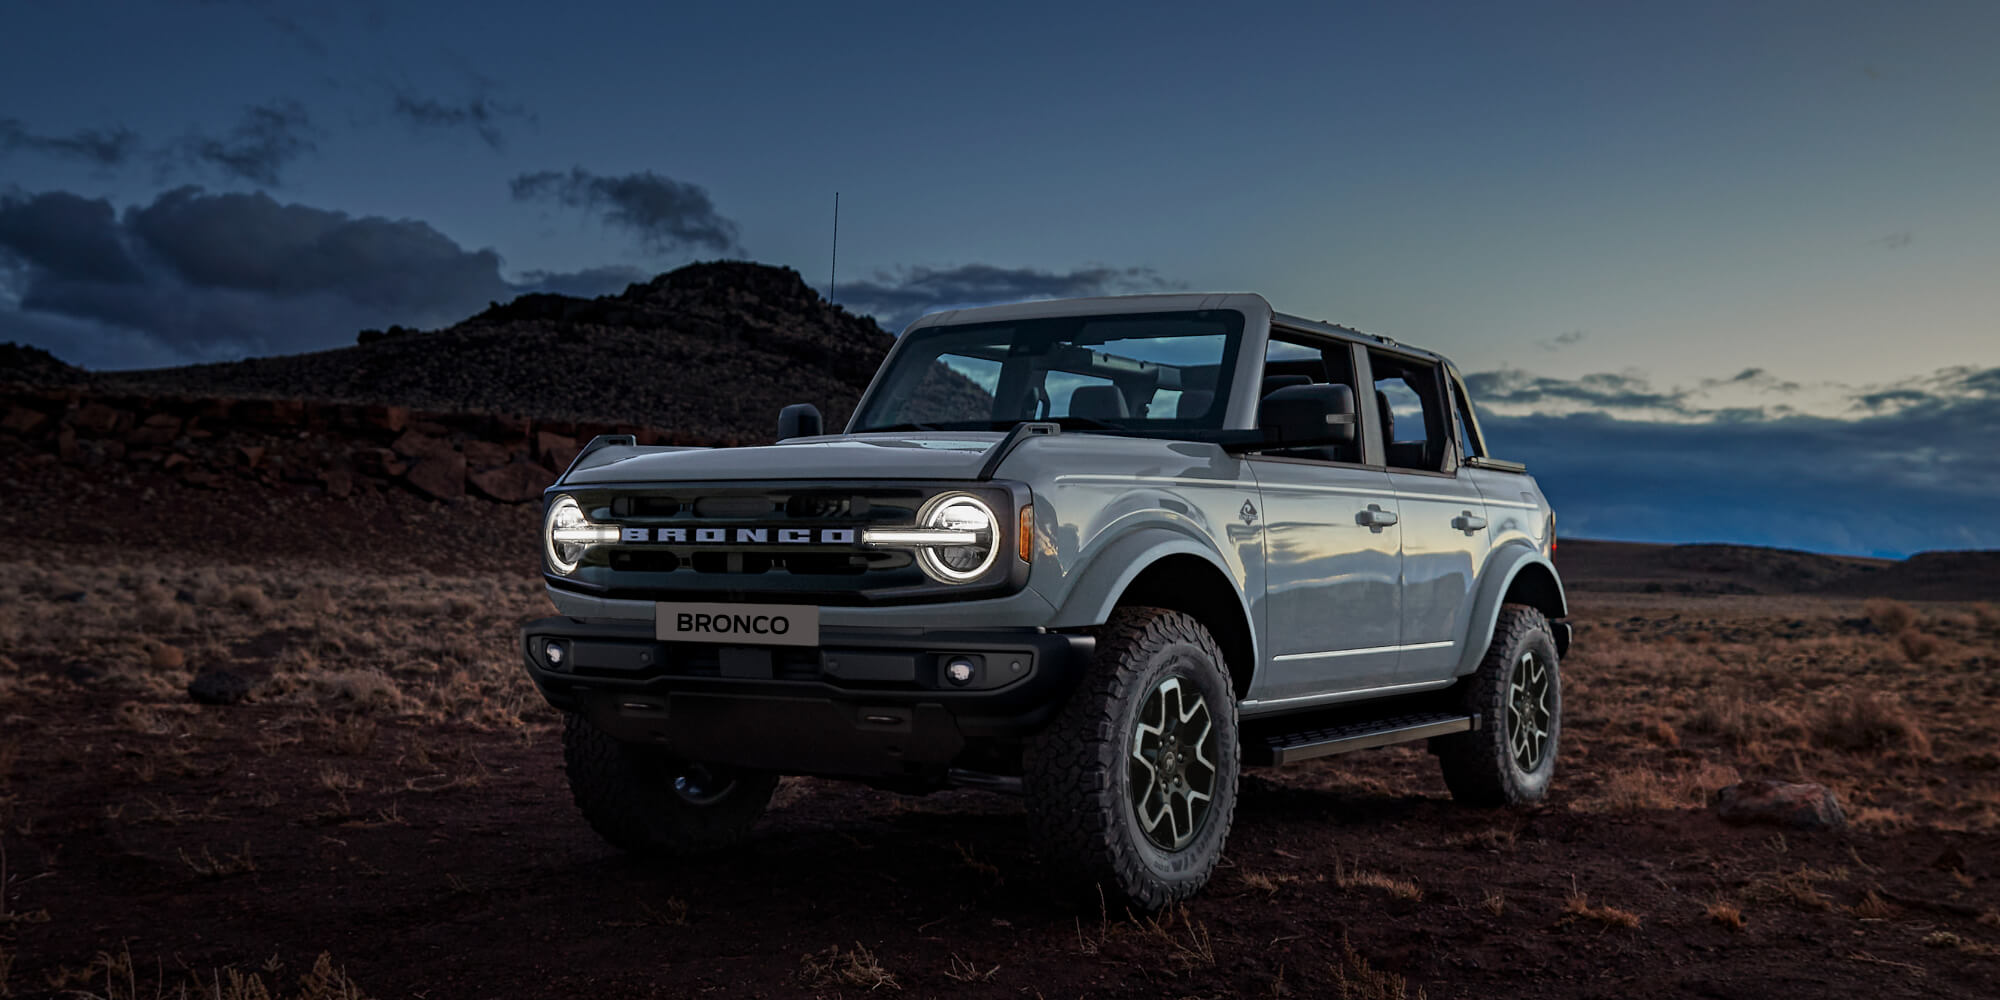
x: 1234, y: 327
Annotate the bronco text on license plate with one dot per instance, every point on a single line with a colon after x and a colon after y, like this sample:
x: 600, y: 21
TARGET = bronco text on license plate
x: 740, y: 624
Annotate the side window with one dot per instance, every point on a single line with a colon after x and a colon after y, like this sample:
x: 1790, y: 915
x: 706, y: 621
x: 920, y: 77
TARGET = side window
x: 1297, y: 359
x: 1409, y: 395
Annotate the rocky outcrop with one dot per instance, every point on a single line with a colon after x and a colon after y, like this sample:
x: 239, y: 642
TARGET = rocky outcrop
x: 712, y: 350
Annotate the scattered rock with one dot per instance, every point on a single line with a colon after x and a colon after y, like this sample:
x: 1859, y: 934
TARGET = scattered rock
x: 441, y: 477
x: 518, y: 482
x: 386, y: 418
x: 158, y: 429
x: 338, y: 480
x: 416, y: 444
x: 380, y: 463
x: 487, y: 454
x: 165, y: 657
x: 558, y: 450
x: 251, y: 454
x: 95, y: 418
x: 218, y: 687
x: 1801, y: 806
x: 21, y: 420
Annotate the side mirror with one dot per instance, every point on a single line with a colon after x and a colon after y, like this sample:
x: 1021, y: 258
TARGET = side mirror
x: 800, y: 420
x: 1298, y: 416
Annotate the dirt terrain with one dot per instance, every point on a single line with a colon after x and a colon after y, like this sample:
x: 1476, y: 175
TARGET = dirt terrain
x: 385, y: 815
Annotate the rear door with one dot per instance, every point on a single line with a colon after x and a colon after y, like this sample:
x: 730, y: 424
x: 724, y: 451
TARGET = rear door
x: 1332, y: 550
x: 1444, y: 518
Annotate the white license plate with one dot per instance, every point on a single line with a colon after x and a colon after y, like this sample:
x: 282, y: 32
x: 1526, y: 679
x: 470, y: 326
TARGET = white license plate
x: 739, y: 624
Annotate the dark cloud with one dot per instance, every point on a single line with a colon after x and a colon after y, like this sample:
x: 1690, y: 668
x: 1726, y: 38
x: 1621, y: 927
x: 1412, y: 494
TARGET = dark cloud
x: 1604, y: 391
x: 900, y: 297
x: 1569, y: 338
x: 482, y: 114
x: 62, y: 233
x: 267, y: 139
x: 665, y: 214
x: 99, y: 147
x: 1894, y: 241
x: 1914, y: 473
x: 195, y: 276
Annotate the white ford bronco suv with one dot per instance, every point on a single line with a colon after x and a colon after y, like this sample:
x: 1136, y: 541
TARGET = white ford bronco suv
x: 1102, y: 553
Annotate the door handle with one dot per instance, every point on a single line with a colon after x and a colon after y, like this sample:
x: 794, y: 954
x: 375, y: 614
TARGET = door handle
x: 1375, y: 518
x: 1468, y: 522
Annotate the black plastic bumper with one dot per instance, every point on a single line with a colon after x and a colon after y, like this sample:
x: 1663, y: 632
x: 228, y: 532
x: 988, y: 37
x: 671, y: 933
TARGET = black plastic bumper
x: 863, y: 703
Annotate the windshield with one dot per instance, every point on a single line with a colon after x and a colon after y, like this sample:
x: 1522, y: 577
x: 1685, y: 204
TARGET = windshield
x: 1140, y: 372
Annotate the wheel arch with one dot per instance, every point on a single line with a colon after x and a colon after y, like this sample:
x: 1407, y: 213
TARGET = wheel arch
x: 1165, y: 569
x: 1516, y: 574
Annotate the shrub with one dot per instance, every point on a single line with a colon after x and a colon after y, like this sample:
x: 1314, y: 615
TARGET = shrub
x: 1917, y: 646
x: 1889, y: 616
x: 1870, y: 722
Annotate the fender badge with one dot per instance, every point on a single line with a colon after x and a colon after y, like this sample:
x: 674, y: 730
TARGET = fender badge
x: 1248, y: 513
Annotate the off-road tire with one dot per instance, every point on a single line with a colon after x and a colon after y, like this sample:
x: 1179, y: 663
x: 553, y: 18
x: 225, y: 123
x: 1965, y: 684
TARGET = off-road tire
x: 1077, y: 778
x: 1481, y: 767
x: 628, y: 795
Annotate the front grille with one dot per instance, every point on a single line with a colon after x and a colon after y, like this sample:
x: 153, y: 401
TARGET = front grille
x: 724, y: 541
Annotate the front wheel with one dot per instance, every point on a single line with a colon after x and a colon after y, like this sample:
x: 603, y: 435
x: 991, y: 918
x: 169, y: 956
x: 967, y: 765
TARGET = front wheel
x: 1516, y: 697
x: 647, y: 802
x: 1132, y: 786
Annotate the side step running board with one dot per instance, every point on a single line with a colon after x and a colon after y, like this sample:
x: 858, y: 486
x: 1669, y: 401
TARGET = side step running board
x: 1290, y: 748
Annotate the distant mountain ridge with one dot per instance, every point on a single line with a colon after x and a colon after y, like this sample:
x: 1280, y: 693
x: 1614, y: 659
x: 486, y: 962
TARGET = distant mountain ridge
x: 710, y: 350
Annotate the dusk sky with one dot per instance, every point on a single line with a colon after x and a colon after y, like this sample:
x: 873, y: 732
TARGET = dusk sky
x: 1719, y: 272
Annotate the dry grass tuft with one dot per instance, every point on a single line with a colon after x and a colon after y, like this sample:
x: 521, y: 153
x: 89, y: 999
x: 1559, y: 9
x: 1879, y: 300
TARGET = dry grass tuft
x: 1355, y: 979
x: 122, y: 981
x: 1357, y: 878
x: 1635, y: 789
x: 837, y: 966
x: 1874, y: 907
x: 1726, y: 913
x: 1987, y: 614
x: 1577, y: 907
x: 207, y: 865
x: 1799, y: 888
x: 1918, y: 647
x: 1494, y: 903
x: 962, y: 971
x: 1889, y: 616
x: 1870, y: 722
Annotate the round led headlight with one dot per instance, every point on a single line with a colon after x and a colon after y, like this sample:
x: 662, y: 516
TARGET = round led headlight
x: 959, y: 512
x: 567, y: 533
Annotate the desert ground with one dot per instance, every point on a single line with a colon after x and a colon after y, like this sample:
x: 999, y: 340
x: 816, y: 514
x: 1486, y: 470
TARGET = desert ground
x: 385, y: 815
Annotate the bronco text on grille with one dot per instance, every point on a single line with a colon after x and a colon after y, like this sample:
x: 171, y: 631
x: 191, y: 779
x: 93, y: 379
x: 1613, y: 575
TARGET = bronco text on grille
x: 740, y: 536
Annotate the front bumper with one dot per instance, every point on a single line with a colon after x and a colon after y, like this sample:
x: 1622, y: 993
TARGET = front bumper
x: 866, y: 702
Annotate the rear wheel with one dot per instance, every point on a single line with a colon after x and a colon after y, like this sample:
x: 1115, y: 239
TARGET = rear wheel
x: 648, y: 802
x: 1132, y: 786
x: 1516, y: 696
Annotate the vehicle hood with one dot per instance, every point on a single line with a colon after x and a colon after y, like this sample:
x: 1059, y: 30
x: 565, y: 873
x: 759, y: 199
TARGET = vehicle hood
x: 955, y: 455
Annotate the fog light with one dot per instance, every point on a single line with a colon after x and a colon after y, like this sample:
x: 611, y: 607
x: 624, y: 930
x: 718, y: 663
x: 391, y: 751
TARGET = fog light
x: 960, y: 671
x: 554, y: 652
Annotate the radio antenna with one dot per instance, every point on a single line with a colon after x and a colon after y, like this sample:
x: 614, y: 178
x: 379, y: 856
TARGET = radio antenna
x: 834, y: 267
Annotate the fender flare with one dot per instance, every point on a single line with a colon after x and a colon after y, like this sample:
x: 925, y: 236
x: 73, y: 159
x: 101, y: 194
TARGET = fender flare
x: 1502, y: 568
x: 1090, y: 600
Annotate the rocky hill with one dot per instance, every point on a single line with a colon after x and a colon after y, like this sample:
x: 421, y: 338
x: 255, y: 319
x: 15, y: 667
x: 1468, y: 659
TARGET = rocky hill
x: 712, y: 351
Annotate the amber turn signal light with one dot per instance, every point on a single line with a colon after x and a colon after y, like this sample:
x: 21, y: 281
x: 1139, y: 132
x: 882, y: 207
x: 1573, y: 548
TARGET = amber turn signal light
x: 1025, y: 538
